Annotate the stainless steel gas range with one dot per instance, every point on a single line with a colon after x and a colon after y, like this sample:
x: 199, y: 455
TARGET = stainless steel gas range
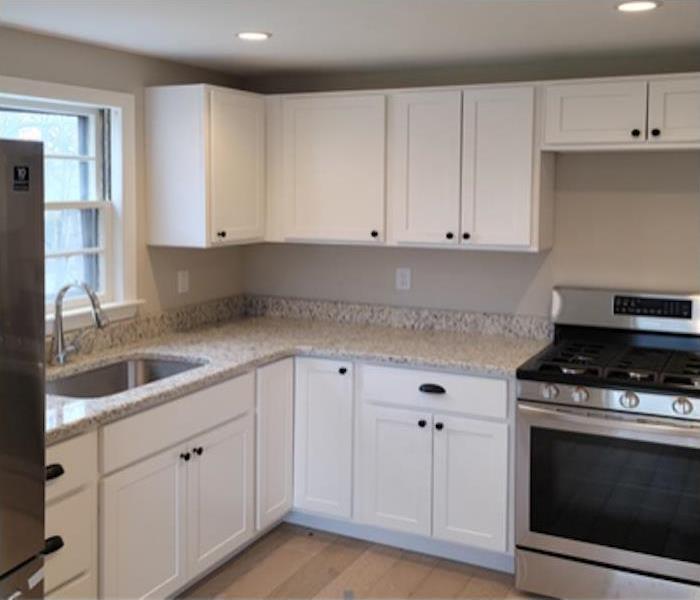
x: 608, y: 449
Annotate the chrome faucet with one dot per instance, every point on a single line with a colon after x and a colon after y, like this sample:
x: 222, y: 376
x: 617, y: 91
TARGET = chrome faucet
x: 59, y: 350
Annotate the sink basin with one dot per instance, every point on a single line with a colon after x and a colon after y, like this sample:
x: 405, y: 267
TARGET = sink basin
x: 118, y: 377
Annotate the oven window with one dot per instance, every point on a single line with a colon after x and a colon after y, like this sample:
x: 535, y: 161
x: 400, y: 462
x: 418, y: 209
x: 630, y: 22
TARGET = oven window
x: 619, y: 493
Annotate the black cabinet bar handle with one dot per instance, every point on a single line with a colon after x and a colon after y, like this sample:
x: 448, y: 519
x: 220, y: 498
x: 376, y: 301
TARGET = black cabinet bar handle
x: 432, y: 388
x: 52, y: 544
x: 54, y: 471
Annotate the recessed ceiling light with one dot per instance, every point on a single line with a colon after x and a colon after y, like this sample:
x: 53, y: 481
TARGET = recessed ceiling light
x: 254, y: 36
x: 638, y: 5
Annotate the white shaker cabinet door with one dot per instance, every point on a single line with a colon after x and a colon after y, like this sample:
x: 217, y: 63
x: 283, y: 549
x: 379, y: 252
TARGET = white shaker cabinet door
x: 142, y: 528
x: 394, y: 468
x: 237, y: 166
x: 220, y: 498
x: 323, y: 437
x: 471, y: 482
x: 424, y: 154
x: 497, y: 167
x: 334, y: 167
x: 275, y: 441
x: 593, y: 113
x: 674, y: 110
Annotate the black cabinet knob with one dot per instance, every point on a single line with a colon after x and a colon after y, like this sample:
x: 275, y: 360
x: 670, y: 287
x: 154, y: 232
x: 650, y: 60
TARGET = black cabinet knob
x: 54, y: 471
x: 52, y: 544
x: 221, y: 234
x: 374, y: 233
x: 466, y: 236
x: 636, y: 133
x: 656, y: 132
x: 439, y: 426
x: 342, y: 370
x: 449, y: 235
x: 198, y: 450
x: 185, y: 456
x: 431, y: 388
x: 422, y: 423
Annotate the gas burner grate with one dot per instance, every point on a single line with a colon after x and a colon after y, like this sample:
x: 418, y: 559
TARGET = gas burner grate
x: 571, y: 369
x: 632, y: 375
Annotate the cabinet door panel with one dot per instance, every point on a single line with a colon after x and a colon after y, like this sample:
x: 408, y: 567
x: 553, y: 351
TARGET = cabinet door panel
x: 424, y: 166
x: 334, y: 164
x: 394, y: 468
x: 471, y: 482
x: 674, y: 110
x: 606, y: 112
x: 323, y: 437
x: 497, y: 169
x: 220, y: 493
x: 275, y: 441
x: 237, y: 166
x: 142, y: 527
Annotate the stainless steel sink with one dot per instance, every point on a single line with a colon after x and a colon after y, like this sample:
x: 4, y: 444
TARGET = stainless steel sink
x: 118, y: 377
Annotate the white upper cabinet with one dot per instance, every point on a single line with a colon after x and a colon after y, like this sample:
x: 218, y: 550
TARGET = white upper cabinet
x: 674, y: 110
x: 498, y: 168
x: 206, y: 166
x: 323, y: 437
x: 424, y: 149
x: 590, y: 113
x: 333, y: 167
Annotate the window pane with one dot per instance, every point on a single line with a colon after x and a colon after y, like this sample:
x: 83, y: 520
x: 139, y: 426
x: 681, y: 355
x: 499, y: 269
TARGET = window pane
x: 68, y: 230
x: 61, y: 134
x: 60, y: 271
x: 68, y: 180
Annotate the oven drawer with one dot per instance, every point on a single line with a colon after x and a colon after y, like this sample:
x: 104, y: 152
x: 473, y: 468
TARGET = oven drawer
x: 434, y: 391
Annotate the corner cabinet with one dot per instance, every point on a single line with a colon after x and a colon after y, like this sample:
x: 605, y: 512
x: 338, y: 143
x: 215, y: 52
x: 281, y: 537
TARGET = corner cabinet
x: 205, y: 148
x: 333, y: 157
x: 323, y: 437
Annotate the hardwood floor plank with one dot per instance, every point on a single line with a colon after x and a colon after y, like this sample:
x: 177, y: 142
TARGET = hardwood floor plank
x: 362, y: 574
x: 487, y: 584
x: 404, y: 577
x: 322, y: 569
x: 445, y: 580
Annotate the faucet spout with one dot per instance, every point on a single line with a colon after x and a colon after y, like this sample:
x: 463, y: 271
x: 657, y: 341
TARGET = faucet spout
x: 60, y: 351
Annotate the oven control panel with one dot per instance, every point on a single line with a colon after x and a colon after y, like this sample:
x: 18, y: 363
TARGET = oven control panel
x: 653, y: 307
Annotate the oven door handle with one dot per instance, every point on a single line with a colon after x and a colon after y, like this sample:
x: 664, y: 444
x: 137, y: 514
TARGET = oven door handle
x: 682, y: 430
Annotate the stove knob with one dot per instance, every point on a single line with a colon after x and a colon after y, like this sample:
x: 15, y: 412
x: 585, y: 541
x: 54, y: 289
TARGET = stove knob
x: 549, y: 391
x: 682, y: 406
x: 629, y: 400
x: 579, y: 394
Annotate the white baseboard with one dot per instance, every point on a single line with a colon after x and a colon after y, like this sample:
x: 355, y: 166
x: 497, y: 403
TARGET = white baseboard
x: 483, y: 558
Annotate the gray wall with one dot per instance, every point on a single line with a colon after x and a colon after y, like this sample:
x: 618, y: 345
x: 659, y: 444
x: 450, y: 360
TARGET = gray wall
x: 30, y: 56
x: 627, y: 220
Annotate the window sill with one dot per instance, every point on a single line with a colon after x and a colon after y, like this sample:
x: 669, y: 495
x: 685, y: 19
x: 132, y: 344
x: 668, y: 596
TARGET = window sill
x: 79, y: 318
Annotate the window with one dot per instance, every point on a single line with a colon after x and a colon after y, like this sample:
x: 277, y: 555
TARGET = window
x: 76, y: 188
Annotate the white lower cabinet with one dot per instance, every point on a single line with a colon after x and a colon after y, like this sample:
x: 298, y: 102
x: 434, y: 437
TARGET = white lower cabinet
x: 275, y: 442
x: 470, y: 488
x: 394, y: 468
x: 220, y: 497
x: 323, y: 437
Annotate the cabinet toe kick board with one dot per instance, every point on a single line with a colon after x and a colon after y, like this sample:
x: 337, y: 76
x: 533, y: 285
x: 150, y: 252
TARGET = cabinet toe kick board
x: 431, y: 390
x: 131, y: 439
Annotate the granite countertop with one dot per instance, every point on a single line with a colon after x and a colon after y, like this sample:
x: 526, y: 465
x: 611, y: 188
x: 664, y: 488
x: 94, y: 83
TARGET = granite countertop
x: 237, y: 347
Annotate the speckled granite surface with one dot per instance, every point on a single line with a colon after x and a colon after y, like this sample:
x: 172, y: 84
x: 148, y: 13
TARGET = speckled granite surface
x: 233, y: 348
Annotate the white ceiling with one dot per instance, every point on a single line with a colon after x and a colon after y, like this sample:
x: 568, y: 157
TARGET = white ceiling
x: 359, y: 34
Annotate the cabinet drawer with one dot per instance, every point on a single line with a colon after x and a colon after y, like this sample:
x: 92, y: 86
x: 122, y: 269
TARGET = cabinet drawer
x: 146, y: 433
x: 465, y: 394
x: 77, y: 458
x: 74, y: 519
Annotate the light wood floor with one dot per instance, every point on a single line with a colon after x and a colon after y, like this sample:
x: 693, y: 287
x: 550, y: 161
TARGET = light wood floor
x: 295, y: 562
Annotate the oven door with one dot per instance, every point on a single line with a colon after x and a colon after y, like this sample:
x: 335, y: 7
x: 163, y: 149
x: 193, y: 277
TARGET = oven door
x: 609, y: 489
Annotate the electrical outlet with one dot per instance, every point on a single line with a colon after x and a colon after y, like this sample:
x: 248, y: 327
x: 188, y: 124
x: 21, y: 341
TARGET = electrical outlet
x: 403, y: 279
x: 183, y: 282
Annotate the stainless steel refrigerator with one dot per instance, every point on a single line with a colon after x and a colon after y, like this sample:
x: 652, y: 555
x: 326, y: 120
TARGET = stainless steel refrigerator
x: 22, y: 470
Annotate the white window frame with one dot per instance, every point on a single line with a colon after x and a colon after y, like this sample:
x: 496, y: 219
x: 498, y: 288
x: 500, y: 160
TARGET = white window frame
x: 120, y: 285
